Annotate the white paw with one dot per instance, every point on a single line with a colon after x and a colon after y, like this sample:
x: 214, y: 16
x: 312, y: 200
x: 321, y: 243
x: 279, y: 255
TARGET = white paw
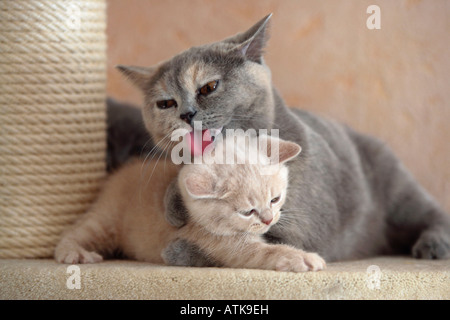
x: 300, y: 262
x: 79, y: 255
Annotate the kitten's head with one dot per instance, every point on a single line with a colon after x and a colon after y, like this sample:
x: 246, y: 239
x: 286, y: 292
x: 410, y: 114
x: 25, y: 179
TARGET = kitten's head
x: 229, y: 199
x: 223, y: 84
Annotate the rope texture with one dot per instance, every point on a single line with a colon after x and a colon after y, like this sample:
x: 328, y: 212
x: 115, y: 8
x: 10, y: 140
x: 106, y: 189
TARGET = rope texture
x: 52, y: 119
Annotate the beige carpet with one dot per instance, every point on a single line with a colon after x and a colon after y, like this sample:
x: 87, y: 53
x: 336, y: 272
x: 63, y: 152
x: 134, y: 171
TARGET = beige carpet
x: 377, y: 278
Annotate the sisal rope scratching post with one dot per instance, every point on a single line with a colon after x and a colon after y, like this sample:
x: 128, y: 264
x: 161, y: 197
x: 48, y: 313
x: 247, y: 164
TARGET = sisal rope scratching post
x: 52, y: 119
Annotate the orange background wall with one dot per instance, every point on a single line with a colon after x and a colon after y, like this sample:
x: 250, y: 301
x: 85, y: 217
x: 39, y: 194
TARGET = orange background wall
x: 392, y: 83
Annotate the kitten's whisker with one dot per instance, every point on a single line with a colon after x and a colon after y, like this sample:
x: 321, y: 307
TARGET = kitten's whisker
x: 286, y: 224
x: 242, y: 240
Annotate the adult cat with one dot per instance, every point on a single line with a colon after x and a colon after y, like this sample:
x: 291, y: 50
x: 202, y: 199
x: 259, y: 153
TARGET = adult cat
x: 349, y: 197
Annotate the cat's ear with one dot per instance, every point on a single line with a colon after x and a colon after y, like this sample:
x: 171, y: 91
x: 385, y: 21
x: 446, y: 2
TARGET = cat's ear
x: 278, y: 150
x: 200, y: 186
x: 139, y: 76
x: 288, y: 150
x: 251, y: 43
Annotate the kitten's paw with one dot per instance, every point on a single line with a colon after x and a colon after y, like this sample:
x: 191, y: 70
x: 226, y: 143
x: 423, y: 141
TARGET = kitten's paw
x: 291, y: 264
x: 300, y: 262
x: 76, y: 256
x: 314, y: 261
x: 432, y: 245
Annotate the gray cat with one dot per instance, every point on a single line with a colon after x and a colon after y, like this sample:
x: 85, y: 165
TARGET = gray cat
x: 127, y: 136
x: 349, y: 196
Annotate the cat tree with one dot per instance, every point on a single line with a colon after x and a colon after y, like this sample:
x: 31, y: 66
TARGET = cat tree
x: 52, y: 162
x: 52, y: 119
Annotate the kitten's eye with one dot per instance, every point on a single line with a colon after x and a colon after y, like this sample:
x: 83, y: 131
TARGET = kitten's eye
x: 248, y: 213
x: 208, y: 88
x: 166, y: 104
x: 275, y: 200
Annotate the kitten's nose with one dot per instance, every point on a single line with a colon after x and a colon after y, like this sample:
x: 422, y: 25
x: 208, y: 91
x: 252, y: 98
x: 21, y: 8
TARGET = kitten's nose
x: 188, y: 116
x: 266, y: 216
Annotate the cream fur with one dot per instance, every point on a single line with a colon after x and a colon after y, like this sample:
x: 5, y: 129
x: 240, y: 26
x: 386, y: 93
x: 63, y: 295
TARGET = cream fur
x: 129, y: 216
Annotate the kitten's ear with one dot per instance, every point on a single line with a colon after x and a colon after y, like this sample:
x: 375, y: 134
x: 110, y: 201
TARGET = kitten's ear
x: 288, y: 150
x: 200, y: 186
x: 278, y: 150
x: 251, y: 43
x: 138, y: 75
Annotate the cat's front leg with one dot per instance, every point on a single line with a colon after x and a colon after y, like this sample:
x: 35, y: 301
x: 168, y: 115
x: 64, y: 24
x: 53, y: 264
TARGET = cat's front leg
x: 284, y: 258
x: 299, y: 261
x: 256, y: 254
x: 87, y: 239
x: 70, y: 252
x: 175, y: 211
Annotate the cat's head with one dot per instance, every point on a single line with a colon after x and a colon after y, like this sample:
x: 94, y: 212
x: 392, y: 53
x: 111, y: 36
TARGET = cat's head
x: 229, y: 199
x: 225, y: 85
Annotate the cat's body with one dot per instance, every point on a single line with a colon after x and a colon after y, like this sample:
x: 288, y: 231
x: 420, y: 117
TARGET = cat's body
x: 356, y: 198
x: 349, y: 196
x: 127, y: 136
x: 225, y: 222
x: 127, y: 218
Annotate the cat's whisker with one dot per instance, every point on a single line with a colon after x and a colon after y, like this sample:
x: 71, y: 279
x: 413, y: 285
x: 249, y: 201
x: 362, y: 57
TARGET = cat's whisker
x: 144, y: 146
x: 266, y: 121
x: 285, y: 217
x: 285, y: 225
x: 156, y: 163
x: 241, y: 240
x: 237, y: 117
x: 168, y: 148
x: 154, y: 150
x: 151, y: 154
x: 171, y: 144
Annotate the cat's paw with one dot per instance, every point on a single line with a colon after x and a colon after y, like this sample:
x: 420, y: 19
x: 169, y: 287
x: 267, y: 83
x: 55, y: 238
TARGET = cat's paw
x: 75, y: 256
x: 300, y: 262
x: 432, y: 245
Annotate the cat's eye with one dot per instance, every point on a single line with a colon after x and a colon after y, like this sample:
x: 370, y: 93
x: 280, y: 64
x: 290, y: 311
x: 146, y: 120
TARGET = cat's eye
x: 166, y: 104
x: 275, y: 200
x: 208, y: 88
x: 248, y: 213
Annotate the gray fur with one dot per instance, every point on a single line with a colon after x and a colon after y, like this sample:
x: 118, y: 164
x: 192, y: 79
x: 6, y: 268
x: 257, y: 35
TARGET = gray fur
x: 183, y: 253
x: 349, y: 196
x: 127, y: 136
x: 176, y: 213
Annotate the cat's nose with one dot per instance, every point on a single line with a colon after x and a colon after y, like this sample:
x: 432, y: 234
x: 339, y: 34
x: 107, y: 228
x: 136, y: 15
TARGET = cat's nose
x: 188, y: 116
x: 266, y: 216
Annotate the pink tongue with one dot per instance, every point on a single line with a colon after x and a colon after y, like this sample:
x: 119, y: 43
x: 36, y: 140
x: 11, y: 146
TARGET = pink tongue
x: 198, y: 141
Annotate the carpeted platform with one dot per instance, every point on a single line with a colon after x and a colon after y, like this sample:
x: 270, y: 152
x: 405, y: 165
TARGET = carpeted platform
x: 377, y: 278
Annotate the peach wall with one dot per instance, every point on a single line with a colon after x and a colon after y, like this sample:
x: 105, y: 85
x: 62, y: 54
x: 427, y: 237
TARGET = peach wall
x: 392, y: 83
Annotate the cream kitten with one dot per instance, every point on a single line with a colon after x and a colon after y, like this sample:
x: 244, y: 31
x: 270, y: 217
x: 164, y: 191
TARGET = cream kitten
x: 229, y: 207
